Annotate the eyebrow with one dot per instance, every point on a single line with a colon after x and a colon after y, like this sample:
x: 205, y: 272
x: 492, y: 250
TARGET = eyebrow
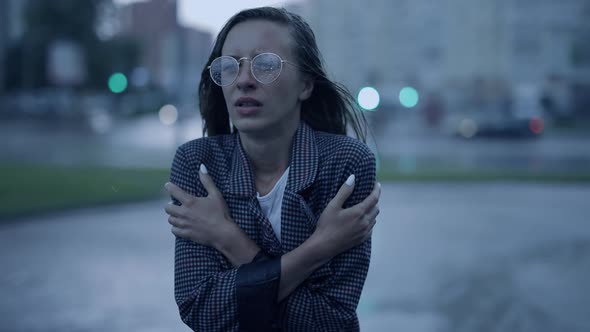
x: 256, y: 52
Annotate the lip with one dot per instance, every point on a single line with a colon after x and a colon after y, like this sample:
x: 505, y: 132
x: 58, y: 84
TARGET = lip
x: 247, y: 110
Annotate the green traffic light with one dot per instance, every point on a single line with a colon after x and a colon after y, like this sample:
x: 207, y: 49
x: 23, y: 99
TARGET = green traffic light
x: 117, y: 83
x: 408, y: 97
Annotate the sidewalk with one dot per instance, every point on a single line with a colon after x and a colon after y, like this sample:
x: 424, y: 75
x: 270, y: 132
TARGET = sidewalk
x: 146, y: 142
x: 446, y: 257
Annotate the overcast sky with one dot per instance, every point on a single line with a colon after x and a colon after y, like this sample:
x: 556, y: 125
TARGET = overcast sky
x: 212, y: 14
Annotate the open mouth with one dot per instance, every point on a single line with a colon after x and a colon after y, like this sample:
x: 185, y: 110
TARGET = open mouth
x: 248, y: 102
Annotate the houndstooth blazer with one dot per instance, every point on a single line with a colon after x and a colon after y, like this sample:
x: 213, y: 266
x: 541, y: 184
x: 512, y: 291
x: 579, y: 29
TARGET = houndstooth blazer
x: 205, y: 281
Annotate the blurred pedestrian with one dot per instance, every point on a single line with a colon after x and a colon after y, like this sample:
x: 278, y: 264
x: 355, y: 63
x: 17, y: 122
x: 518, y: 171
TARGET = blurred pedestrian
x: 273, y: 210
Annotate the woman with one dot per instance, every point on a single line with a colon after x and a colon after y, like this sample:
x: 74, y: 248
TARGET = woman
x: 274, y: 234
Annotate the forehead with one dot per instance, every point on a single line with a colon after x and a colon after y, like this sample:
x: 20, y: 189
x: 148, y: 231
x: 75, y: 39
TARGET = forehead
x: 256, y: 36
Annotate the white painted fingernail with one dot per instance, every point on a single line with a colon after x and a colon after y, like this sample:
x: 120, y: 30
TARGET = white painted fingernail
x: 350, y: 180
x: 203, y: 169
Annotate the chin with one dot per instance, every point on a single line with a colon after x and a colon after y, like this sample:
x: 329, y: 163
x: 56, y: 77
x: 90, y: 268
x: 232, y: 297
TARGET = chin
x: 260, y: 127
x: 261, y: 124
x: 251, y: 126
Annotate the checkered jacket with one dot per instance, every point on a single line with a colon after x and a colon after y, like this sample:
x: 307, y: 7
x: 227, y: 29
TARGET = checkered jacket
x: 205, y: 281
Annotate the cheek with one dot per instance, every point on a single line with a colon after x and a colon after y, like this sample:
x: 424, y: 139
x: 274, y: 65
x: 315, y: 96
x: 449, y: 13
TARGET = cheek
x: 226, y: 95
x: 287, y: 91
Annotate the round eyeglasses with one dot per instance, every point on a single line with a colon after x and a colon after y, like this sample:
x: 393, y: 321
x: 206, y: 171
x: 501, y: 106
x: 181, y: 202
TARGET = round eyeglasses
x: 265, y: 68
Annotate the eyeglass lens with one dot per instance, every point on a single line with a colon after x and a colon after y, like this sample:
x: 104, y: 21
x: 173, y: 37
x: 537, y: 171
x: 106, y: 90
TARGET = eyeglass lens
x: 265, y: 67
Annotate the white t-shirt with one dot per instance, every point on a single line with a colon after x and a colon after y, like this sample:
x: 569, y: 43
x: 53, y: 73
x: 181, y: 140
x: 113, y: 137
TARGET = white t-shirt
x: 272, y: 203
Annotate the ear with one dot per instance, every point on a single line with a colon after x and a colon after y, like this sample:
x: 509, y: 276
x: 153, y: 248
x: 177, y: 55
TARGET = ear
x: 307, y: 89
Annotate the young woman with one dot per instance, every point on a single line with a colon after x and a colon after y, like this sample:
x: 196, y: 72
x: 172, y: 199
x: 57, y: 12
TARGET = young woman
x: 273, y: 209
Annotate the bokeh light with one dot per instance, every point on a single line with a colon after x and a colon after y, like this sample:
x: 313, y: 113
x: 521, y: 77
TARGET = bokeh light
x: 408, y: 97
x: 536, y: 125
x: 467, y: 128
x: 100, y: 121
x: 140, y: 77
x: 168, y: 114
x: 117, y: 82
x: 368, y: 98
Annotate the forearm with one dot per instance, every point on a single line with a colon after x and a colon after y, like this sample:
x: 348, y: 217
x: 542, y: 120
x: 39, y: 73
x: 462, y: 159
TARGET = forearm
x: 237, y: 247
x: 329, y: 304
x: 298, y: 264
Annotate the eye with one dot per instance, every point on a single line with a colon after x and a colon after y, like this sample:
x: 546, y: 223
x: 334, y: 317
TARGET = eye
x: 264, y: 65
x: 267, y: 62
x: 227, y: 66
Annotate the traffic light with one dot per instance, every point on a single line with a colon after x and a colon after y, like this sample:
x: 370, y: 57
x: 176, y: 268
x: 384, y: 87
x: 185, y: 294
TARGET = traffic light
x: 408, y: 97
x: 117, y: 82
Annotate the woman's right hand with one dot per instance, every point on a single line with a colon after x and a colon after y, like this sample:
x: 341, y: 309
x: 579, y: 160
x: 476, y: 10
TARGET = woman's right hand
x: 340, y: 229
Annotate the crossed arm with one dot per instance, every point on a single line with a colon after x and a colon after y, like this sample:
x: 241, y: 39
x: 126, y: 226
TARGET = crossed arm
x: 205, y: 231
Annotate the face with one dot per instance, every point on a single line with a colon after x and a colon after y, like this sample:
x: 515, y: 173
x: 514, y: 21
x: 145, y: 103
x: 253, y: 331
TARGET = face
x: 257, y: 108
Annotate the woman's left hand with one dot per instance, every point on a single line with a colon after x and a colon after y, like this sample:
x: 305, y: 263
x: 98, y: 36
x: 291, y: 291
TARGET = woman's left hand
x: 204, y: 220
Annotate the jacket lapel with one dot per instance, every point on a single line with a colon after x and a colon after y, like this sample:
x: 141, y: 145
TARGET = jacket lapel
x: 297, y: 219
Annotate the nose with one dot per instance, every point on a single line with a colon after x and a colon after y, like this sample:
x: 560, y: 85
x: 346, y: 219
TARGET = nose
x: 245, y: 80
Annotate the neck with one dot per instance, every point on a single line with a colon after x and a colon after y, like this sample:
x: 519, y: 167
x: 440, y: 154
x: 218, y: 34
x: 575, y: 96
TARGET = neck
x: 269, y: 154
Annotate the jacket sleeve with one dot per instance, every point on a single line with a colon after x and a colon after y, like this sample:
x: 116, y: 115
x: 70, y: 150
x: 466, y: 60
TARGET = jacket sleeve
x: 327, y: 301
x: 204, y: 287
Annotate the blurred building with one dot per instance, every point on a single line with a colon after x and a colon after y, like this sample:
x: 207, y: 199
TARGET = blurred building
x: 376, y: 42
x: 299, y: 8
x: 173, y: 55
x: 11, y: 20
x: 491, y: 46
x: 11, y: 28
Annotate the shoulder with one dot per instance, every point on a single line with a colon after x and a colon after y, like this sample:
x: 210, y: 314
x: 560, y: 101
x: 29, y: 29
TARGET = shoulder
x: 340, y: 156
x: 206, y: 148
x: 348, y: 149
x: 213, y: 151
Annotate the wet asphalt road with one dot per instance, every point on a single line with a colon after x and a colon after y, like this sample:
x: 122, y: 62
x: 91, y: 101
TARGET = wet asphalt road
x: 446, y: 257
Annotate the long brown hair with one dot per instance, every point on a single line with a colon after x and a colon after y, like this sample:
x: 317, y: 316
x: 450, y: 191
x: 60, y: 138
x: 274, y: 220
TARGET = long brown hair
x: 330, y: 108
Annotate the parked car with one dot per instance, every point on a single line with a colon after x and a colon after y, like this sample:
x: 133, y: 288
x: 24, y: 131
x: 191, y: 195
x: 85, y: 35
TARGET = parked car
x: 520, y: 117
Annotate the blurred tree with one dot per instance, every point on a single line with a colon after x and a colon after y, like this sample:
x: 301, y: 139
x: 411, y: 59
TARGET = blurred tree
x: 47, y: 22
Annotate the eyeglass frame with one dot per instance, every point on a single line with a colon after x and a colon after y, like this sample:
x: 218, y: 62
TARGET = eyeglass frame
x: 239, y: 61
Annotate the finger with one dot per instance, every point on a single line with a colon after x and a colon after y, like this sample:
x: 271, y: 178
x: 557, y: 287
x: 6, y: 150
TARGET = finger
x: 207, y: 181
x: 373, y: 223
x: 173, y: 210
x: 344, y: 192
x: 372, y: 215
x: 176, y: 222
x: 178, y: 193
x: 178, y: 232
x: 370, y: 201
x: 371, y: 228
